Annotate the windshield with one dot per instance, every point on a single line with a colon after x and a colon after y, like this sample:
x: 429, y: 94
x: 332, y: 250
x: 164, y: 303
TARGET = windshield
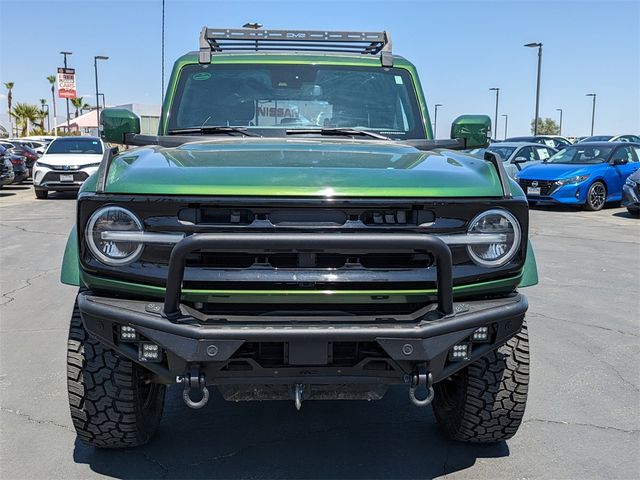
x: 504, y: 152
x: 75, y: 145
x: 276, y: 97
x: 582, y: 154
x: 598, y: 138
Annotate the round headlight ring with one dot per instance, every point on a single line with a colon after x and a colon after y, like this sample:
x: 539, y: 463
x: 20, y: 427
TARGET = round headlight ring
x: 513, y: 248
x: 97, y: 252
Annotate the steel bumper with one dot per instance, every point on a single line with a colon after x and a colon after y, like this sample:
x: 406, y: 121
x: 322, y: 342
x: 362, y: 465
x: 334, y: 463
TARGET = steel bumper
x: 191, y: 340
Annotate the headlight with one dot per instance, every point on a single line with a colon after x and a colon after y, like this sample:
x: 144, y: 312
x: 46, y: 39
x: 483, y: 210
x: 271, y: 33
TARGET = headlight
x: 567, y: 181
x: 496, y: 222
x: 113, y: 219
x: 631, y: 183
x: 90, y: 165
x: 42, y: 165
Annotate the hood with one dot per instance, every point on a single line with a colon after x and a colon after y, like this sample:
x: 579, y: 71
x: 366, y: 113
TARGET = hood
x: 70, y: 158
x: 301, y: 167
x: 557, y: 171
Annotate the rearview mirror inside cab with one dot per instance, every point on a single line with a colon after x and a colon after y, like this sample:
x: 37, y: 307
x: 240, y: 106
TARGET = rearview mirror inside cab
x: 117, y: 122
x: 475, y: 130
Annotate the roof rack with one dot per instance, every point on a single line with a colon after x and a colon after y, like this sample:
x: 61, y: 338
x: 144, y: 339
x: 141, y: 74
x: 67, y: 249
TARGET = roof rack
x: 216, y: 40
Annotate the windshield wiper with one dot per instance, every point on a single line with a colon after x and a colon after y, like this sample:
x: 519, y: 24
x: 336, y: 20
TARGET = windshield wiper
x: 346, y: 132
x: 214, y: 130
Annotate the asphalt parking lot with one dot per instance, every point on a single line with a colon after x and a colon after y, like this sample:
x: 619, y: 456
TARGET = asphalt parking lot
x: 582, y: 418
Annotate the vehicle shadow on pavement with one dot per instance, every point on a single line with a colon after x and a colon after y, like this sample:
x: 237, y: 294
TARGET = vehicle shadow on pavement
x: 389, y: 438
x: 625, y: 214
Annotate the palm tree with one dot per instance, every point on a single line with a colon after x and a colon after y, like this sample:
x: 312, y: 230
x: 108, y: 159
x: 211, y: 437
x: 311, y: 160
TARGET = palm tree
x: 52, y: 80
x: 25, y: 115
x: 9, y: 87
x: 79, y: 104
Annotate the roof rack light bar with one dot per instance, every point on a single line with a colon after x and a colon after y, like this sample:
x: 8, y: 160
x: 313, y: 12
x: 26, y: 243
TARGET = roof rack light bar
x: 216, y: 40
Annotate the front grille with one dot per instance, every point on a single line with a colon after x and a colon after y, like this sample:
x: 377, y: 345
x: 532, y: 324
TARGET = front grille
x: 65, y: 168
x: 547, y: 187
x: 308, y: 260
x: 300, y: 270
x: 306, y: 217
x: 339, y: 354
x: 56, y: 177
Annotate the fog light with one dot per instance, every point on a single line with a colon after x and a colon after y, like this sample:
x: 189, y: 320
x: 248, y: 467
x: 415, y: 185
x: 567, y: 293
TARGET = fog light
x: 149, y: 352
x: 128, y: 334
x: 481, y: 334
x: 459, y: 352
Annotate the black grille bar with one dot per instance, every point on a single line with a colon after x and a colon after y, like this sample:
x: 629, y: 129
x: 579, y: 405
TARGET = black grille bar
x: 321, y: 242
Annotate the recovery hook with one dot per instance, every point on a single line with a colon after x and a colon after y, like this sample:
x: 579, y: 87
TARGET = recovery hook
x: 421, y: 379
x: 194, y: 380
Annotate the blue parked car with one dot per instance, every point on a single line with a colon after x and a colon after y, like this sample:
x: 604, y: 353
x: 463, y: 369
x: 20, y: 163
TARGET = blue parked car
x: 589, y: 174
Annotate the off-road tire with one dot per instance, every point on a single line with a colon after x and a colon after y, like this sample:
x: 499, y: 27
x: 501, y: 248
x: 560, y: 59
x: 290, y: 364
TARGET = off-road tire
x: 485, y: 402
x: 111, y: 404
x: 592, y: 204
x: 42, y: 194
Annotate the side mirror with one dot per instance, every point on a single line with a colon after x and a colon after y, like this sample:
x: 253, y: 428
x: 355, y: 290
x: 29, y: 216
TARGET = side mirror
x: 475, y: 130
x: 520, y: 160
x: 619, y: 161
x: 117, y: 122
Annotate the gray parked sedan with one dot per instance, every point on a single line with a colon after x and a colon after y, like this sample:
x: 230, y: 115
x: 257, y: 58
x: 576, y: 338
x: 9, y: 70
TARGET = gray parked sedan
x: 517, y: 155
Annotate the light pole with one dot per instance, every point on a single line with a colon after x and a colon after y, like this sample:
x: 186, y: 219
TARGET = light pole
x: 48, y: 117
x: 539, y: 47
x: 435, y: 119
x: 593, y: 110
x: 495, y: 119
x: 95, y: 66
x: 506, y: 118
x: 104, y: 102
x: 65, y: 67
x: 560, y: 126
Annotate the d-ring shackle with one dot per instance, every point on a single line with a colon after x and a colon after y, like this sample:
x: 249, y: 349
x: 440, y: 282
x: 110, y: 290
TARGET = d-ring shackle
x: 194, y: 380
x: 421, y: 380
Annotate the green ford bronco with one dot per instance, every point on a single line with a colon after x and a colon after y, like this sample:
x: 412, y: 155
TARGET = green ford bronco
x: 293, y: 232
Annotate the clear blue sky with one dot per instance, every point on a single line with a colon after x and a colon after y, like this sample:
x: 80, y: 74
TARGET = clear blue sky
x: 461, y: 49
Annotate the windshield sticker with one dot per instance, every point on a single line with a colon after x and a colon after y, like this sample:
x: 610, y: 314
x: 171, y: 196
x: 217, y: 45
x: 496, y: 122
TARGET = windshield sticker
x: 398, y: 79
x: 543, y: 153
x: 201, y: 76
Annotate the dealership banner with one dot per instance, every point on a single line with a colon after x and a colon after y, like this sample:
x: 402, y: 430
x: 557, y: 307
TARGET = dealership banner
x: 67, y: 83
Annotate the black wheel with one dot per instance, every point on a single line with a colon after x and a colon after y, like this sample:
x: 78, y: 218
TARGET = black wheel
x: 485, y: 402
x: 42, y: 194
x: 596, y: 196
x: 634, y: 211
x: 112, y: 404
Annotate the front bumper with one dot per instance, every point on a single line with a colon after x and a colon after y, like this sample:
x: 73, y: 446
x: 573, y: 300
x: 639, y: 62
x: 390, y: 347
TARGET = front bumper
x: 213, y: 343
x: 630, y: 197
x: 48, y: 179
x: 309, y: 347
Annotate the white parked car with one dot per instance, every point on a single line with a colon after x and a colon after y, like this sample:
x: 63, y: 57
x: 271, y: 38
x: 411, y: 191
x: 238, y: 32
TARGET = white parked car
x: 66, y: 164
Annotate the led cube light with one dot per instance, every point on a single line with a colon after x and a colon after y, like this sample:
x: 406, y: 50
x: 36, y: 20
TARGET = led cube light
x: 149, y: 352
x: 481, y: 334
x: 128, y: 334
x: 459, y: 352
